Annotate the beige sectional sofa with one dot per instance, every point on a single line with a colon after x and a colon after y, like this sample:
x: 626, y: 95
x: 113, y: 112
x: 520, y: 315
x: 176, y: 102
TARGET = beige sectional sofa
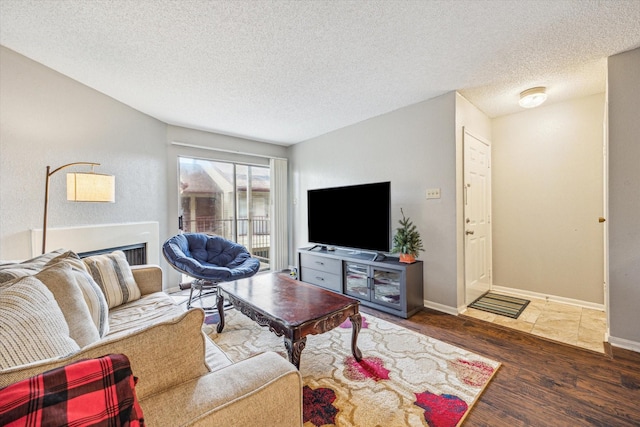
x: 183, y: 377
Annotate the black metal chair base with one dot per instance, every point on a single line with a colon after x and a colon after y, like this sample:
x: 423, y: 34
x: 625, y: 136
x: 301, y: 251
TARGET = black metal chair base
x: 204, y: 288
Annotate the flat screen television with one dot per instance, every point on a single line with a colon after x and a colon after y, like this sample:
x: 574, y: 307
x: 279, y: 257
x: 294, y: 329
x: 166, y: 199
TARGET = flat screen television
x: 354, y: 216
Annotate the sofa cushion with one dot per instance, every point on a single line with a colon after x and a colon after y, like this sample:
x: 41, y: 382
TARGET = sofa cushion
x: 29, y: 267
x: 113, y: 274
x: 214, y: 356
x: 93, y: 296
x: 32, y: 326
x: 89, y: 392
x: 62, y: 281
x: 146, y: 311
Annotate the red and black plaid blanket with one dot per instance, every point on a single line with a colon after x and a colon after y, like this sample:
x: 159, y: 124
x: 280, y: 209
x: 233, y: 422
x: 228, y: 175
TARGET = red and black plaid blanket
x: 93, y: 392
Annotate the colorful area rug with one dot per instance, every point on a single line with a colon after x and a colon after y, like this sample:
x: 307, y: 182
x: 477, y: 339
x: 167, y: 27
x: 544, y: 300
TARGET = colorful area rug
x: 502, y: 305
x: 404, y: 379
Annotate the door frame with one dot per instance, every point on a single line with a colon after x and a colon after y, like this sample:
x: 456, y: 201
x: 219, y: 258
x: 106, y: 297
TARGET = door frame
x: 605, y: 214
x: 466, y: 132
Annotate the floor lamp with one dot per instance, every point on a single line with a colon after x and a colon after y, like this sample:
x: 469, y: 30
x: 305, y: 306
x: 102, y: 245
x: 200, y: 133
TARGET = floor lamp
x: 81, y: 187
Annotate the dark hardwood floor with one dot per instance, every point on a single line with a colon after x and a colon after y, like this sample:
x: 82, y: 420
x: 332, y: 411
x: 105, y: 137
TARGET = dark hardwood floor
x: 540, y: 382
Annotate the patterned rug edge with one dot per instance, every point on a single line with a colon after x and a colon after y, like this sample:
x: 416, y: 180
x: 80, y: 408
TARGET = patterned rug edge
x: 477, y: 398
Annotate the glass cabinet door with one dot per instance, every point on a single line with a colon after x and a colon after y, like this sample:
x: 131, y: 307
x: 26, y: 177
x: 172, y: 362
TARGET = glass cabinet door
x: 356, y: 280
x: 386, y: 287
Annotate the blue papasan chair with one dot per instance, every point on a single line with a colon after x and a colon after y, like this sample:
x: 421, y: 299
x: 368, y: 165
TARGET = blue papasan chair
x: 209, y: 260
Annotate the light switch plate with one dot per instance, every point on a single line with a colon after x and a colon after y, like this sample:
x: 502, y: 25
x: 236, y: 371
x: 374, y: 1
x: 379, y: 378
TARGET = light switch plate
x: 433, y: 193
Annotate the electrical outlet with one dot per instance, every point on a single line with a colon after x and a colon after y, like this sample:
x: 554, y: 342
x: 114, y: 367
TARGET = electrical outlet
x: 433, y: 193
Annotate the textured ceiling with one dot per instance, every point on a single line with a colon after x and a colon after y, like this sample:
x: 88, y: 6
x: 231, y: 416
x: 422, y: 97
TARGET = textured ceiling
x: 286, y: 71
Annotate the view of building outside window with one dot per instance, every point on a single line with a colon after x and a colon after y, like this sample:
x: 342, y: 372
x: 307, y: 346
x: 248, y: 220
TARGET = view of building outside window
x: 227, y: 199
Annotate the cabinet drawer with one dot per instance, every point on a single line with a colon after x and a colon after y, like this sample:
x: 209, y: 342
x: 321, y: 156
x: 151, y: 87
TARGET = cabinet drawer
x: 321, y: 278
x: 330, y: 265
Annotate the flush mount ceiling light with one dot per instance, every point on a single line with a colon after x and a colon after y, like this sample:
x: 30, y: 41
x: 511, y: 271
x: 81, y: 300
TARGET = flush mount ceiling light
x: 533, y: 97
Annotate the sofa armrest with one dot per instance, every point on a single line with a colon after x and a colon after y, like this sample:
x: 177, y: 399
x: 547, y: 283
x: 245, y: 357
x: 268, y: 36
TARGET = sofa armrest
x: 148, y: 277
x: 162, y: 355
x: 264, y: 390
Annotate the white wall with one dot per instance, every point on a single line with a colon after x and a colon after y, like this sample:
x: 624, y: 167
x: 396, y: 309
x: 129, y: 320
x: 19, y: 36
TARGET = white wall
x: 624, y: 199
x: 49, y: 119
x: 414, y: 148
x: 547, y: 197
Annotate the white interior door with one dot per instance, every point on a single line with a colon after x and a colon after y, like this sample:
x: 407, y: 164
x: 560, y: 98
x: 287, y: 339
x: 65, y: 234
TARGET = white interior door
x: 477, y: 216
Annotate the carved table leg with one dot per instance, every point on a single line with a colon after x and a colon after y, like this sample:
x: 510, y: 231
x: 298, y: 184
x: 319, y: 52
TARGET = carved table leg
x: 220, y: 304
x: 294, y: 349
x: 356, y: 324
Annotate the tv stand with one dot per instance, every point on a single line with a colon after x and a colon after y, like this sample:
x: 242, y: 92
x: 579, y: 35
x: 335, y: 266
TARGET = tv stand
x: 379, y: 256
x: 385, y: 284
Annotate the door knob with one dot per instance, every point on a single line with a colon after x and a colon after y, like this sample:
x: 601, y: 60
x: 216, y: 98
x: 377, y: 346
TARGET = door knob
x: 601, y: 219
x: 468, y: 232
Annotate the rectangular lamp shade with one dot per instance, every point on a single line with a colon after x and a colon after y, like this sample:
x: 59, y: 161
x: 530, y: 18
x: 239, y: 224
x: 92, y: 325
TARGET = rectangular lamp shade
x: 91, y: 187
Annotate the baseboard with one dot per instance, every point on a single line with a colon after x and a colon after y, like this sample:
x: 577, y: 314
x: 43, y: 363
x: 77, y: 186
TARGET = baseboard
x: 528, y: 294
x: 441, y: 307
x: 623, y: 343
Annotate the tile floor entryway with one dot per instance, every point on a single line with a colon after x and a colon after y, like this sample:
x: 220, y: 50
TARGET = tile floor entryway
x: 582, y: 327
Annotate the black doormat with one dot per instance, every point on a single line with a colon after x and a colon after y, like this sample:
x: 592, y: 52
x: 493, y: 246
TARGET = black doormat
x: 502, y: 305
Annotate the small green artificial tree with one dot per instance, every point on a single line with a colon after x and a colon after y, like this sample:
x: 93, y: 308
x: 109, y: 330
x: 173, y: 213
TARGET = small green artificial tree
x: 407, y: 239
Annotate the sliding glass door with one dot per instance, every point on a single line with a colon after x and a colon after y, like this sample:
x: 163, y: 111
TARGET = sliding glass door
x: 231, y: 200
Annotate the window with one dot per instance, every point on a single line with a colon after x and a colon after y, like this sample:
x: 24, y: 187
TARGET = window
x: 231, y: 200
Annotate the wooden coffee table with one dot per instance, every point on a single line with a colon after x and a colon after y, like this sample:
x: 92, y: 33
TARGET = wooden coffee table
x: 291, y: 308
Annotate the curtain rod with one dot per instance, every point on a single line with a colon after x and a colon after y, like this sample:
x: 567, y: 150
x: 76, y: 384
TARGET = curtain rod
x: 203, y: 147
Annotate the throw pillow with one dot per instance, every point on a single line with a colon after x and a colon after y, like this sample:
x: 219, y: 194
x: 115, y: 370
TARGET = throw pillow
x: 113, y: 274
x: 93, y: 295
x: 26, y: 268
x: 61, y: 280
x: 32, y: 327
x: 88, y: 392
